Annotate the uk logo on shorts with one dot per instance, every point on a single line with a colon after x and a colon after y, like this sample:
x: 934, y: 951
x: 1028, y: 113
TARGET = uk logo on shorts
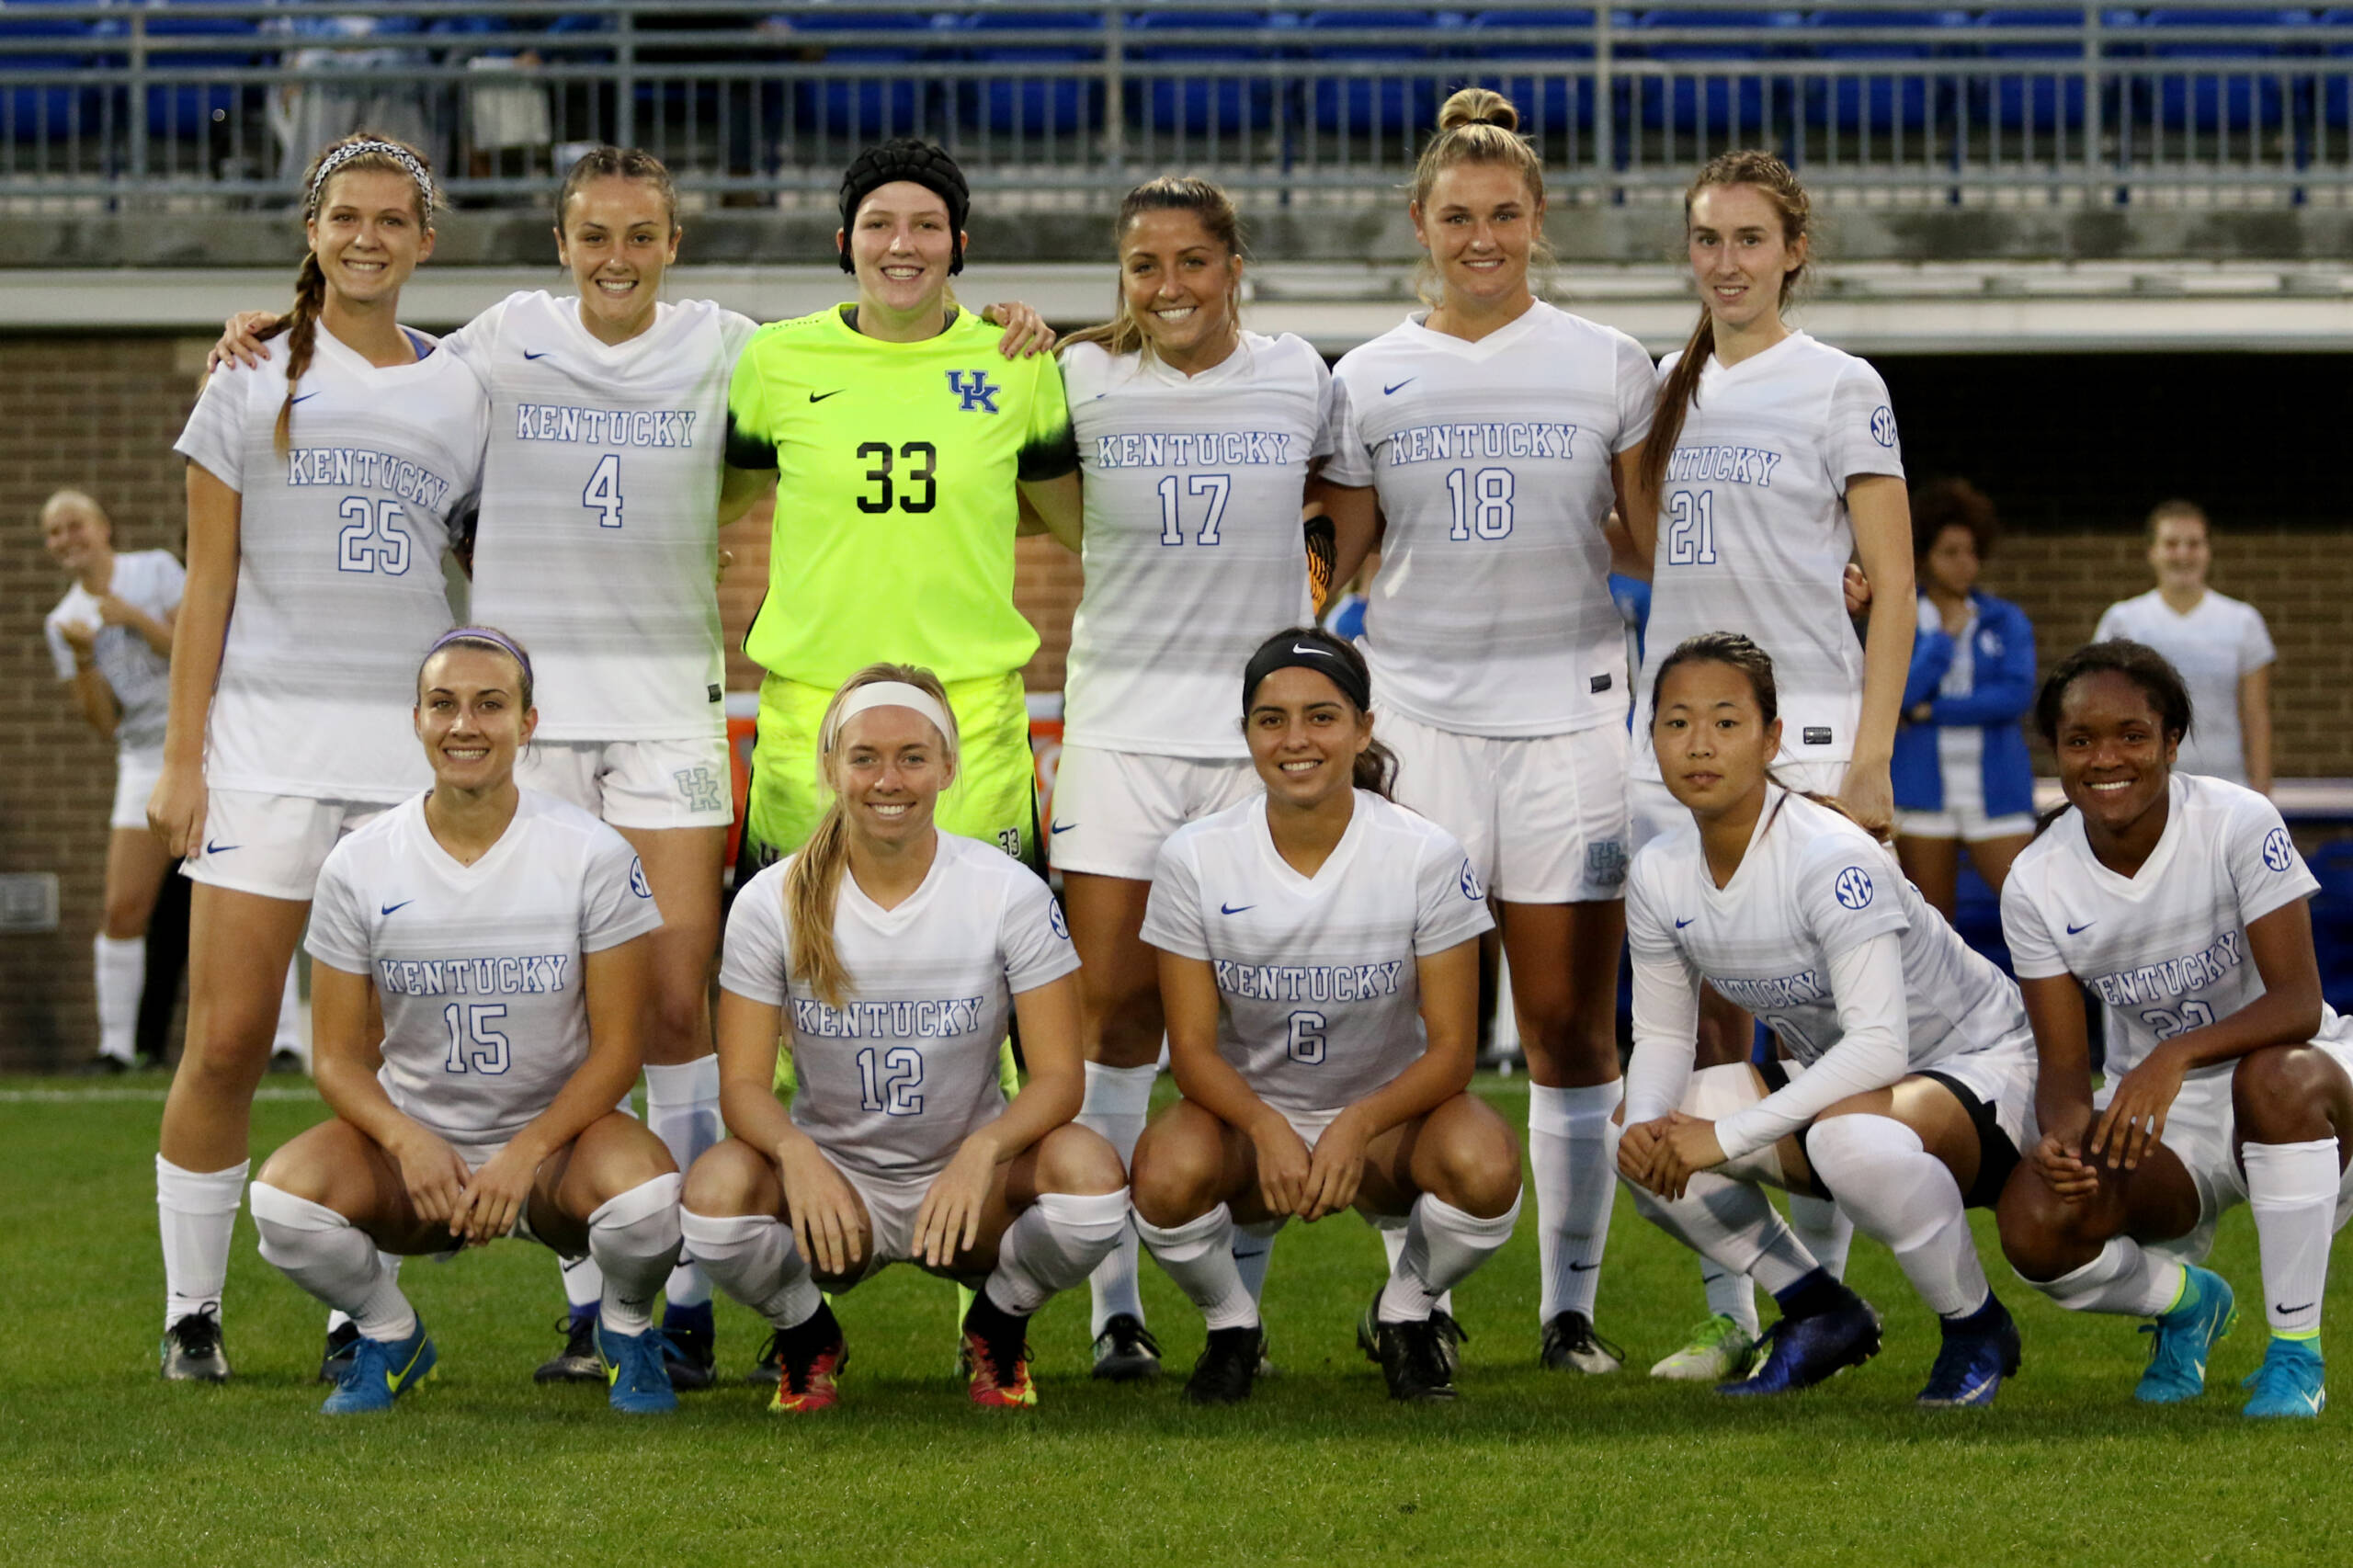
x: 1054, y: 918
x: 2278, y: 853
x: 1853, y: 887
x: 978, y: 392
x: 1604, y: 862
x: 1884, y: 426
x: 1472, y: 889
x: 701, y: 787
x: 637, y: 882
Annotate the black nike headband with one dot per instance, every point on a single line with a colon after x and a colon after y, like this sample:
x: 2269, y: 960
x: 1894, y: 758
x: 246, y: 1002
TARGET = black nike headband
x: 1309, y: 649
x: 908, y: 158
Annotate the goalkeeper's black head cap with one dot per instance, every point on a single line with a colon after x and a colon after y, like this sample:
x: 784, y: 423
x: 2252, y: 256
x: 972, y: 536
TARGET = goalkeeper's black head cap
x: 909, y: 158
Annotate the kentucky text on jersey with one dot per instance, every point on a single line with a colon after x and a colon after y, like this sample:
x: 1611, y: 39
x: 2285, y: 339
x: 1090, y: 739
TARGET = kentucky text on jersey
x: 887, y: 1021
x: 1454, y: 443
x: 604, y: 426
x: 532, y: 974
x: 357, y: 468
x: 1210, y: 448
x: 1727, y: 465
x: 2191, y: 971
x: 1308, y: 983
x: 1802, y: 990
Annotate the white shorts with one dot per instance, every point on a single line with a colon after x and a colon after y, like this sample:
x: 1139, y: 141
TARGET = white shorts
x: 1966, y: 822
x: 272, y: 845
x: 136, y: 774
x: 2201, y: 1130
x: 1653, y: 810
x: 891, y: 1203
x: 647, y: 784
x: 1542, y: 817
x: 2002, y: 1077
x: 1113, y: 810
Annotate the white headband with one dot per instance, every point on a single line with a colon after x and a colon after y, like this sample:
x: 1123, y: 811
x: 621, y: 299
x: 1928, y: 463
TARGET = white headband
x: 891, y: 694
x: 351, y: 150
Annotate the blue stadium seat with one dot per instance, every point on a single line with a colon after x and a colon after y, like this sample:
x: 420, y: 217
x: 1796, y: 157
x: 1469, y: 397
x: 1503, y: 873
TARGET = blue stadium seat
x: 2041, y: 103
x: 1871, y: 99
x: 188, y: 110
x: 1386, y: 105
x: 1014, y: 104
x: 2236, y: 101
x: 45, y: 113
x: 888, y: 103
x: 1545, y: 103
x: 2332, y: 910
x: 2336, y: 79
x: 1730, y: 109
x: 1210, y: 102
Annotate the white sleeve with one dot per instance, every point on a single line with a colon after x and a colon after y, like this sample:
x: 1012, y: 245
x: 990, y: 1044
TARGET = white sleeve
x: 1667, y: 1012
x: 616, y: 901
x: 2033, y: 955
x: 214, y: 438
x: 1859, y: 435
x: 1874, y: 1050
x: 752, y: 964
x: 171, y: 582
x: 1172, y: 914
x: 1846, y: 892
x: 1351, y: 462
x: 1032, y: 936
x: 2111, y: 623
x: 2255, y: 644
x: 735, y: 330
x: 1449, y: 905
x: 338, y: 934
x: 60, y: 654
x: 1637, y: 394
x: 2266, y: 871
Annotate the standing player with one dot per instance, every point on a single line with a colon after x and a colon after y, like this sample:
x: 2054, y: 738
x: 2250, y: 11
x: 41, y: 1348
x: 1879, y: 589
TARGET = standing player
x: 1319, y: 961
x: 1912, y: 1074
x: 1493, y: 435
x: 322, y: 525
x: 2179, y: 901
x: 2219, y: 643
x: 1196, y: 439
x: 1773, y: 460
x: 502, y: 934
x: 883, y: 929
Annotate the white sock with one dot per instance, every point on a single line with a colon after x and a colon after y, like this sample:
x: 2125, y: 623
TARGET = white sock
x: 1824, y: 1229
x: 290, y: 1036
x: 1730, y: 1295
x: 1199, y: 1255
x: 1904, y: 1198
x: 1254, y: 1248
x: 754, y: 1259
x: 2125, y: 1277
x: 1443, y: 1244
x: 634, y: 1237
x: 583, y: 1283
x: 333, y: 1260
x: 2291, y: 1192
x: 1118, y: 1100
x: 1573, y: 1157
x: 682, y: 1108
x: 391, y: 1264
x: 197, y: 1212
x: 1391, y: 1230
x: 119, y: 966
x: 1733, y: 1224
x: 1054, y: 1243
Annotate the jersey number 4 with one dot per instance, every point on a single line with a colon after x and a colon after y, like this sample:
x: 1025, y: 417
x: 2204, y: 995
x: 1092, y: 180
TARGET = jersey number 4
x: 923, y: 460
x: 603, y: 496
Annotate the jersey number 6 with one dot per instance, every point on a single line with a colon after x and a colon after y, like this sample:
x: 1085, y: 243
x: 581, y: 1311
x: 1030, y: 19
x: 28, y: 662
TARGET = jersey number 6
x: 924, y: 459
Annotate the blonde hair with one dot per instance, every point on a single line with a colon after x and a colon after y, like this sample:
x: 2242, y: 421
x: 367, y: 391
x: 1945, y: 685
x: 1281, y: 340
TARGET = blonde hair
x: 72, y: 497
x: 1170, y: 193
x: 814, y: 879
x: 1477, y: 125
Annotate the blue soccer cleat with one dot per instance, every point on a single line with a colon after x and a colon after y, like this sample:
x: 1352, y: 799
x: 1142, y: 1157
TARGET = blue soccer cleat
x: 1979, y: 1351
x: 2184, y: 1335
x: 640, y: 1383
x: 1802, y: 1352
x: 2289, y: 1383
x: 381, y: 1371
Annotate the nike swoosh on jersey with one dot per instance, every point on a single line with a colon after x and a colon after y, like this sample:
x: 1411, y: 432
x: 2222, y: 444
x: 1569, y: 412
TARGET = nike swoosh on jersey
x: 541, y: 355
x: 2073, y: 930
x: 306, y: 397
x: 219, y: 848
x: 1392, y: 391
x: 401, y: 904
x: 1680, y: 924
x: 819, y: 397
x: 1235, y: 908
x: 1062, y: 827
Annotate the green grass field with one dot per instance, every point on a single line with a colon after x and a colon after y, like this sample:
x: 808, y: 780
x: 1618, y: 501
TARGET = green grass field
x: 103, y: 1463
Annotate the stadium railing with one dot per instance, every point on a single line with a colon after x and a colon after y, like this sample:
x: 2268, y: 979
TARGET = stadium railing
x: 144, y: 102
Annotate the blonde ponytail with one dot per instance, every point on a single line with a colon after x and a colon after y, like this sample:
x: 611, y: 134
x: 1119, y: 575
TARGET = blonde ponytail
x: 1479, y: 125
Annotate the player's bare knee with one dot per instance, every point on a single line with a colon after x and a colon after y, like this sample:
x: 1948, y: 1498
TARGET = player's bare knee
x: 2280, y: 1095
x: 297, y: 1171
x: 2042, y: 1235
x: 1077, y: 1161
x: 725, y: 1181
x: 1478, y: 1172
x: 1174, y: 1179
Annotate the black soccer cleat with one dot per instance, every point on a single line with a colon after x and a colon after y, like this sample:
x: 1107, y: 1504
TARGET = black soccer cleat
x: 690, y: 1347
x: 1570, y: 1345
x: 1125, y: 1352
x: 577, y: 1362
x: 1228, y: 1368
x: 192, y: 1351
x: 343, y: 1342
x: 1414, y: 1359
x: 770, y: 1366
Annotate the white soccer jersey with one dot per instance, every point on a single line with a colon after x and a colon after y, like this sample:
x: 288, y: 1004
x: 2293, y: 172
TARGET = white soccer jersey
x: 2219, y: 640
x: 2165, y: 950
x: 1193, y: 549
x: 339, y: 585
x: 479, y: 967
x: 1812, y: 888
x: 1321, y: 999
x: 1491, y: 612
x: 599, y: 546
x: 1754, y: 536
x: 140, y: 676
x: 894, y: 1080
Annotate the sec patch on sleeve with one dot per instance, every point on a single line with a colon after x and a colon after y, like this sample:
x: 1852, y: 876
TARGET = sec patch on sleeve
x: 1853, y: 887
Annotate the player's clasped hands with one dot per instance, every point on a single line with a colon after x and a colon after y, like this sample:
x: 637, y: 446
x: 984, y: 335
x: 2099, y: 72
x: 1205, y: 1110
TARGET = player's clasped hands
x: 435, y: 1178
x: 1335, y: 1166
x: 1662, y: 1155
x: 1283, y: 1165
x: 826, y: 1221
x: 495, y: 1197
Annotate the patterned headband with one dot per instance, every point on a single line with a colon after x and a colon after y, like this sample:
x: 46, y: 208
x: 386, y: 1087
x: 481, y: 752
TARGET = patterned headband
x: 350, y: 150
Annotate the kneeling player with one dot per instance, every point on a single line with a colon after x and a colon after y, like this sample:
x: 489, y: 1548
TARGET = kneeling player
x: 1319, y: 966
x: 504, y: 933
x: 1913, y: 1072
x: 898, y: 950
x: 2181, y: 901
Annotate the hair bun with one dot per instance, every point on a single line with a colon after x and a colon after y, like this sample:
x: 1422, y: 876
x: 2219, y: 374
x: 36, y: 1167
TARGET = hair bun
x: 1477, y: 105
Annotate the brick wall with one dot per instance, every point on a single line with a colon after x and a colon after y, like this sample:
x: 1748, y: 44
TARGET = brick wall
x: 100, y: 412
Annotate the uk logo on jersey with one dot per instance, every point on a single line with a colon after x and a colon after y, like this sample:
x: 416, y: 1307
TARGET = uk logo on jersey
x: 1472, y: 889
x: 1853, y: 887
x: 1884, y: 426
x: 975, y: 388
x: 2278, y: 853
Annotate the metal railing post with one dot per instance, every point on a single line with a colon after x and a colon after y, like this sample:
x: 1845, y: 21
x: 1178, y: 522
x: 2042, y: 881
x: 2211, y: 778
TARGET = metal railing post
x: 625, y: 83
x: 1115, y: 88
x: 2094, y: 88
x: 1605, y: 115
x: 138, y: 105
